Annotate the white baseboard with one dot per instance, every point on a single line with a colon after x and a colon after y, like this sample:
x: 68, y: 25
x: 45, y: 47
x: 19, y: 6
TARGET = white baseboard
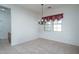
x: 70, y: 43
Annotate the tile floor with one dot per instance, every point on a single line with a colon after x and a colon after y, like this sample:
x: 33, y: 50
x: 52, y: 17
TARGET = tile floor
x: 38, y: 46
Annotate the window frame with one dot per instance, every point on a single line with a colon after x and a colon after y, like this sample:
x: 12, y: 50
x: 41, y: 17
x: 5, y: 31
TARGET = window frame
x: 57, y: 24
x: 50, y: 26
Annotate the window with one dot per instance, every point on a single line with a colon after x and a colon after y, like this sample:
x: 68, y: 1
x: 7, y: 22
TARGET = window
x: 48, y: 26
x: 57, y: 26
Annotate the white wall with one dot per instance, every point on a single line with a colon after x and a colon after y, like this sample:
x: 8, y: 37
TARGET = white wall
x: 70, y: 25
x: 23, y: 24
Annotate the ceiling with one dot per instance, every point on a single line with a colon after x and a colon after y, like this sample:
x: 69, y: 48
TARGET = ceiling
x: 38, y: 8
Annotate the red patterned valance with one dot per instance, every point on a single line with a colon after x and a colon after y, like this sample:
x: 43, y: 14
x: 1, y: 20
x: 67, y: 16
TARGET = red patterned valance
x: 53, y: 17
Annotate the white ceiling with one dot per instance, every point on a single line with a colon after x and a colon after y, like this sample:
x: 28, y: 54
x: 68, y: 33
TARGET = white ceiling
x: 38, y: 8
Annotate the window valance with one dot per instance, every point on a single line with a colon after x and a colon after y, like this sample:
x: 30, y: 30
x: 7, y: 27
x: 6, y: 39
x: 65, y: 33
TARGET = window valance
x: 53, y: 17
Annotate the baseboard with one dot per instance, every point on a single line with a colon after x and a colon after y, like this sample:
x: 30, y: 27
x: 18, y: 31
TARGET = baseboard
x: 22, y: 42
x: 61, y: 42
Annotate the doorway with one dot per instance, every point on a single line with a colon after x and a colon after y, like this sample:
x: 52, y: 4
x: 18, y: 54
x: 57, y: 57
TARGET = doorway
x: 5, y: 24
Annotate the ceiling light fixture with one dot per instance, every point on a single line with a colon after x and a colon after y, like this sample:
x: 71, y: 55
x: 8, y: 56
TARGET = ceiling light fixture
x: 42, y: 22
x: 2, y: 9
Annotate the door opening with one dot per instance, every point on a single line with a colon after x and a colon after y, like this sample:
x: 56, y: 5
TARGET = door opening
x: 5, y: 24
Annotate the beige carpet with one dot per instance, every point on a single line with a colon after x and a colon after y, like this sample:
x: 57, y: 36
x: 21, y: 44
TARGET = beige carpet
x: 39, y: 46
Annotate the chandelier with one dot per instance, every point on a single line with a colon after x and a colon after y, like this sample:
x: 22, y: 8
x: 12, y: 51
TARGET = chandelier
x: 52, y: 18
x: 42, y: 22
